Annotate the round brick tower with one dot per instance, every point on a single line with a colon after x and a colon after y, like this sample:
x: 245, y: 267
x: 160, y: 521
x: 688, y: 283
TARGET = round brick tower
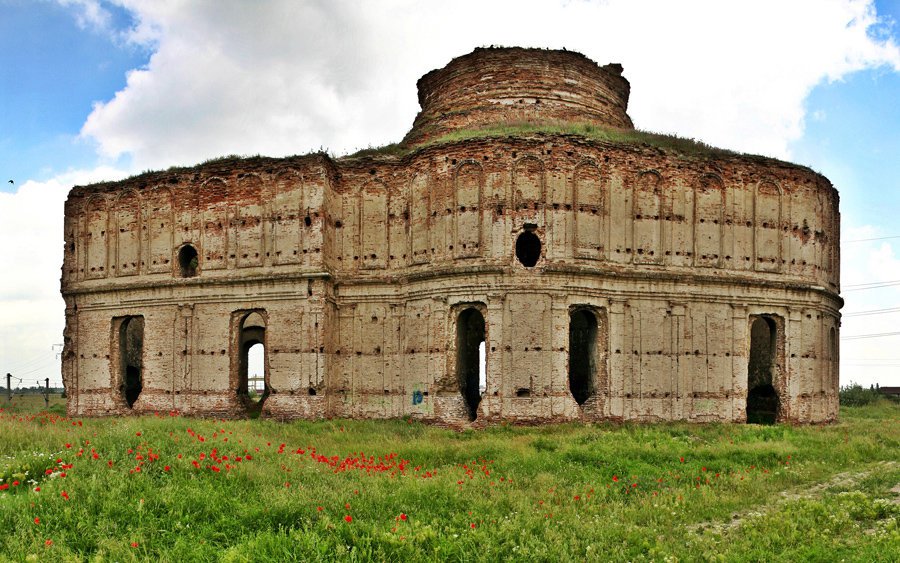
x: 514, y: 86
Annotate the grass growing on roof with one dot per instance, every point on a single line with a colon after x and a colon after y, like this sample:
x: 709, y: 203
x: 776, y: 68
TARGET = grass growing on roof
x: 673, y: 143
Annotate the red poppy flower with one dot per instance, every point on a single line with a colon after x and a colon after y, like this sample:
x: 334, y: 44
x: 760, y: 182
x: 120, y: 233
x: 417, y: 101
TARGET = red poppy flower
x: 615, y: 478
x: 403, y: 516
x: 48, y: 543
x: 348, y: 518
x: 37, y: 520
x: 134, y: 544
x: 64, y: 495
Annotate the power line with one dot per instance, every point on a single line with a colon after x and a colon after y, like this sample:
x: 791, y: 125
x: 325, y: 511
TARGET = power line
x: 875, y: 335
x: 873, y: 285
x: 871, y: 312
x: 870, y: 283
x: 870, y: 239
x: 30, y: 362
x: 40, y: 368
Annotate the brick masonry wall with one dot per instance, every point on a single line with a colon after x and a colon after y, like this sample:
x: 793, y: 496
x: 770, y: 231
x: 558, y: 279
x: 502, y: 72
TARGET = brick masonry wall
x: 361, y: 267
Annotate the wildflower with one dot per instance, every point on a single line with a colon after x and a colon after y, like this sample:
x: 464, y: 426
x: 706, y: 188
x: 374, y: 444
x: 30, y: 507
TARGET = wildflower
x: 319, y: 508
x: 347, y: 506
x: 16, y: 483
x: 166, y: 468
x: 64, y: 495
x: 48, y: 543
x: 615, y: 479
x: 403, y: 516
x: 348, y: 518
x: 37, y: 520
x: 472, y: 525
x: 134, y: 544
x: 37, y: 489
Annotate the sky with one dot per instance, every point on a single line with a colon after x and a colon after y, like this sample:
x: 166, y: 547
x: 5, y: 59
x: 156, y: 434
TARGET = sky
x: 95, y: 90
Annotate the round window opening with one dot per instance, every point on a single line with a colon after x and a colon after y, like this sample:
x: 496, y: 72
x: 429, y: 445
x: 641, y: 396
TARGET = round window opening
x: 528, y: 249
x: 188, y: 261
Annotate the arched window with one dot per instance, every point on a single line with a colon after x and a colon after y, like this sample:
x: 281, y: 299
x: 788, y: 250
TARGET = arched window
x: 188, y: 261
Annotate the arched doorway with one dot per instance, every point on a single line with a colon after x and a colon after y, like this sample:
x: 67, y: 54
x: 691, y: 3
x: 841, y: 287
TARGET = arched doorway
x: 131, y: 358
x: 762, y: 399
x: 582, y: 354
x: 253, y: 373
x: 470, y: 361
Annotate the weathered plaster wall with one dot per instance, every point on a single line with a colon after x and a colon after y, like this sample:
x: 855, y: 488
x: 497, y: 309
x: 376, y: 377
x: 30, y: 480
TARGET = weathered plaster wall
x: 361, y: 267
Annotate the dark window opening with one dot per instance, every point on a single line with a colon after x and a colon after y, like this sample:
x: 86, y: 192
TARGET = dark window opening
x: 582, y: 354
x: 188, y: 261
x: 470, y: 358
x: 762, y: 399
x: 528, y: 249
x: 253, y: 372
x: 131, y: 358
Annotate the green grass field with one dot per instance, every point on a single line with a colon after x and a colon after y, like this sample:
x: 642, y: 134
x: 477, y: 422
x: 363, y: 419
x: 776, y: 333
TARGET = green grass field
x: 169, y: 488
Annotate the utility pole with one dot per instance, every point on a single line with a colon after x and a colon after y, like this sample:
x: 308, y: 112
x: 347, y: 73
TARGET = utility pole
x: 8, y: 387
x: 47, y: 392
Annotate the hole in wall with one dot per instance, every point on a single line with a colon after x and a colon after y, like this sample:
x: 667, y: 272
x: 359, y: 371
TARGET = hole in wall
x: 528, y: 249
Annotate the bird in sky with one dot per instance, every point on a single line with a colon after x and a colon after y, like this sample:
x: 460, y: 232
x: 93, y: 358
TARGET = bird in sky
x: 11, y: 182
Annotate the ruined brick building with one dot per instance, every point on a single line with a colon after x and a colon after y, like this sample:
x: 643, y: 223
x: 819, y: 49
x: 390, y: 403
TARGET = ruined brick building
x: 523, y: 254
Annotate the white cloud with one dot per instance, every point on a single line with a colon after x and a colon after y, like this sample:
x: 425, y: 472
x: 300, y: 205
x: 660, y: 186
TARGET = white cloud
x: 289, y: 77
x: 31, y: 236
x: 89, y: 14
x: 869, y: 360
